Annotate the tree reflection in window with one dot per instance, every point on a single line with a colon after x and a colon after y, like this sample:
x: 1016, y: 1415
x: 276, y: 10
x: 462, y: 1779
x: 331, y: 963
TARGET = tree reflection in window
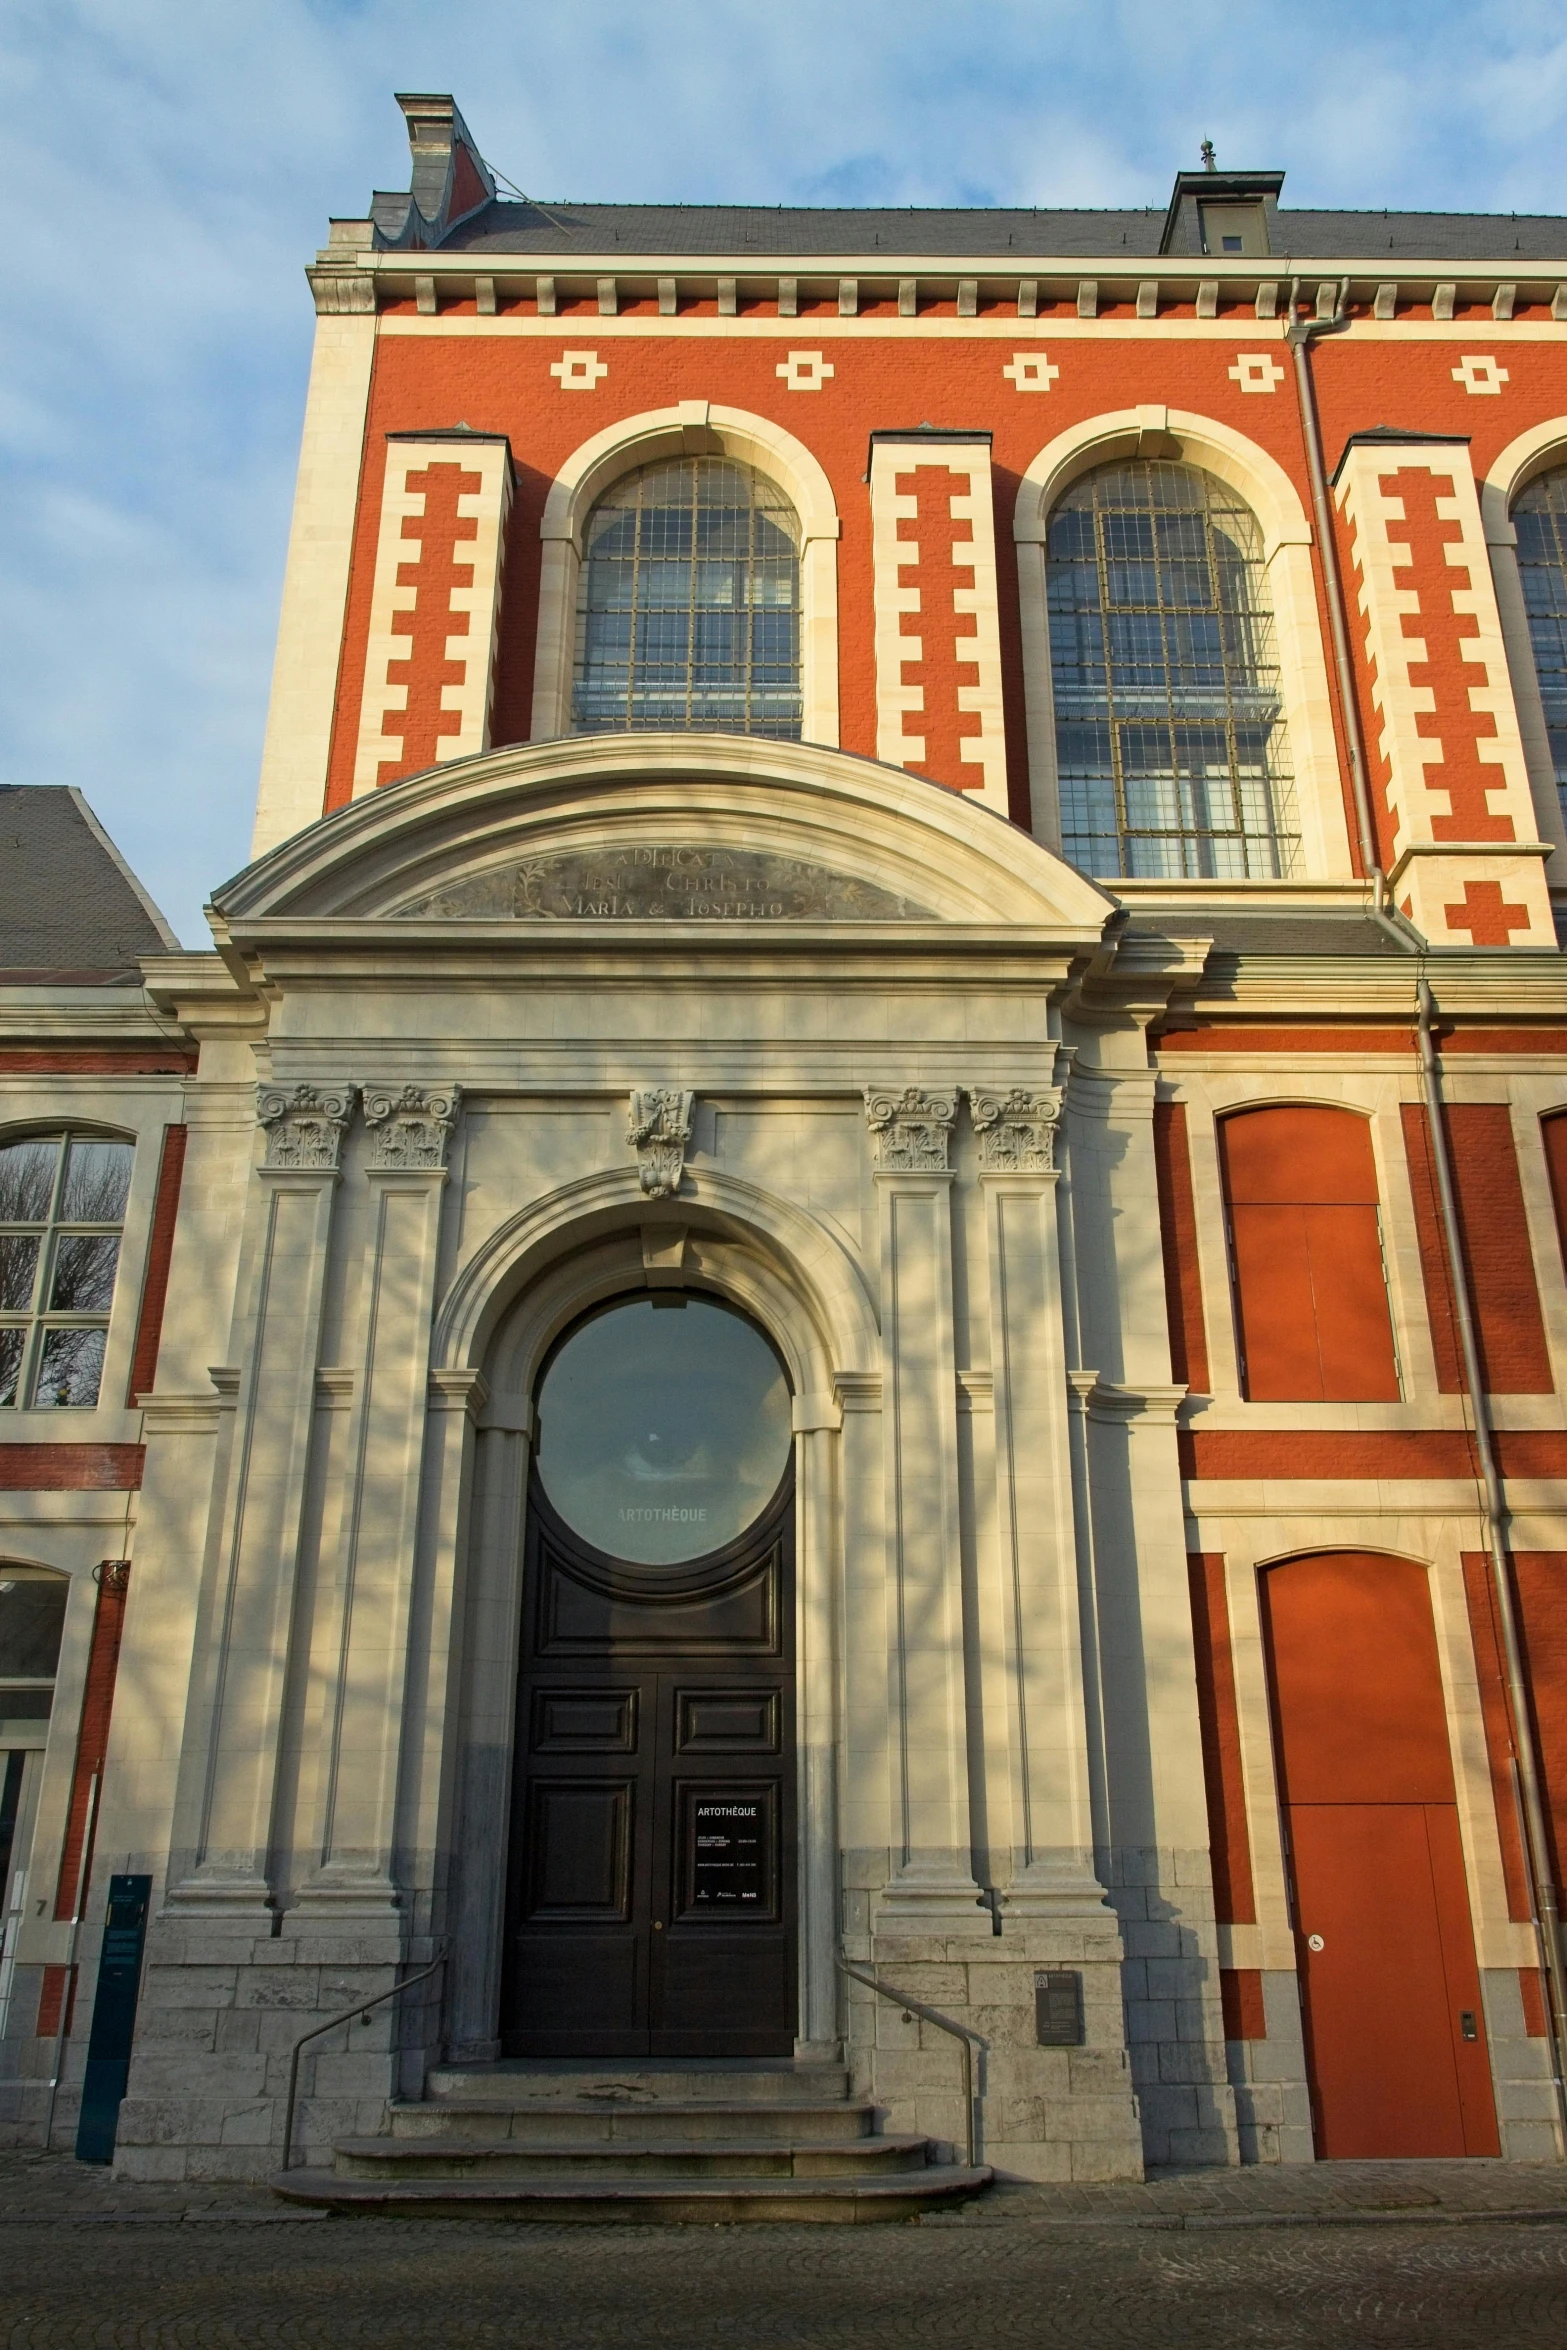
x: 689, y: 617
x: 1540, y: 519
x: 62, y: 1203
x: 1171, y: 747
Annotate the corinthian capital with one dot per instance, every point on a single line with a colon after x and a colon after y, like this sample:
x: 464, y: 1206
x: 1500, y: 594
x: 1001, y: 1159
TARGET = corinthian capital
x: 410, y: 1128
x: 1017, y: 1130
x: 304, y: 1124
x: 911, y: 1131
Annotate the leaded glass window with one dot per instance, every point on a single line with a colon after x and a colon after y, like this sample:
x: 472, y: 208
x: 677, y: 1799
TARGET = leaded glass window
x: 1540, y: 519
x: 1171, y: 744
x: 62, y: 1203
x: 689, y: 617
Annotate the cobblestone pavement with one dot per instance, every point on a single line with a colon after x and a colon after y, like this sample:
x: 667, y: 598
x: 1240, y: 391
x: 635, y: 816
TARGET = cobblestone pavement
x: 1356, y: 2257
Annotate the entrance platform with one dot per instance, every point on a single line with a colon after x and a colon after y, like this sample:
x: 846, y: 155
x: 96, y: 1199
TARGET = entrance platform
x: 676, y: 2140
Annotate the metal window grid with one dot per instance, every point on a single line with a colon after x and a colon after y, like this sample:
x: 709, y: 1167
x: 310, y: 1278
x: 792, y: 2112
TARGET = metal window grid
x: 1540, y: 520
x: 62, y: 1211
x: 689, y: 616
x: 1171, y: 746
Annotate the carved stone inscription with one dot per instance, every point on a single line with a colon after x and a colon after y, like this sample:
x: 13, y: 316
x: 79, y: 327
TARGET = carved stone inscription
x: 662, y: 881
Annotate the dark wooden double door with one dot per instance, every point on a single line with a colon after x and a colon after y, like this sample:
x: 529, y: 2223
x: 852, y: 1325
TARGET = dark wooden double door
x: 651, y: 1905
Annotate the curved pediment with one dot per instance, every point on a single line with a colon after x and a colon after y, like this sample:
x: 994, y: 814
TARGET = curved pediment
x: 664, y: 828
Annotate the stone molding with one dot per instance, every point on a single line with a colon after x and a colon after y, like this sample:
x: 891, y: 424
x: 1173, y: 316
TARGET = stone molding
x: 1016, y: 1129
x: 911, y: 1131
x: 659, y: 1130
x: 410, y: 1129
x: 304, y: 1125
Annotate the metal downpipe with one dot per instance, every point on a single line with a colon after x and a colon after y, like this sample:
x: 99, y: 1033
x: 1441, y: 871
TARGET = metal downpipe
x: 1537, y: 1850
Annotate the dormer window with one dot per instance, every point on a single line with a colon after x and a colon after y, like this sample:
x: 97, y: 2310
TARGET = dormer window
x: 1233, y: 228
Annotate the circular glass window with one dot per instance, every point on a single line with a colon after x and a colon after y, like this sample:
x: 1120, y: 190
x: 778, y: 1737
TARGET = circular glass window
x: 663, y: 1430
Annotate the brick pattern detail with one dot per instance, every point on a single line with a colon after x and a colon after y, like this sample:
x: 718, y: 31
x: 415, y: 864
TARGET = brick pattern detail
x: 1282, y: 1454
x: 1531, y: 1988
x: 1229, y: 1838
x: 160, y: 1250
x: 1178, y: 1242
x: 430, y: 660
x: 1240, y: 1999
x: 1497, y: 1257
x: 1553, y: 1135
x: 1489, y: 1673
x: 938, y: 693
x: 71, y: 1468
x: 68, y: 1061
x: 1446, y: 739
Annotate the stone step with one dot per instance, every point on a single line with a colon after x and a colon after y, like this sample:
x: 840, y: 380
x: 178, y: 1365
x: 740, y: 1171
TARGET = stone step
x: 605, y: 2122
x: 641, y: 2081
x: 705, y: 2202
x: 660, y: 2161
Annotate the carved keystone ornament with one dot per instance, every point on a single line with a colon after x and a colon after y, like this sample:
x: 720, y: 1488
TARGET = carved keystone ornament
x: 410, y: 1129
x: 1017, y: 1130
x: 912, y: 1130
x: 305, y: 1124
x: 659, y: 1131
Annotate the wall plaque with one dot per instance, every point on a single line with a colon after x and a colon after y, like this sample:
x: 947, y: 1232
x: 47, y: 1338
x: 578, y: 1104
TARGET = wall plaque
x: 661, y: 881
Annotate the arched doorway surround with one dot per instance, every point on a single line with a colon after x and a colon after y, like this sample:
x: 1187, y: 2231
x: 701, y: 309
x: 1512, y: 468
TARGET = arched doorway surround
x: 592, y: 1242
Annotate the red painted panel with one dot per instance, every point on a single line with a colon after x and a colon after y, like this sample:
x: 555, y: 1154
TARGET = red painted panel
x: 1229, y: 1838
x: 1494, y: 1234
x: 1553, y: 1134
x: 1178, y: 1242
x: 1310, y: 1294
x: 1531, y: 1988
x: 1540, y: 1580
x: 1298, y: 1152
x: 1391, y: 2074
x: 1356, y: 1681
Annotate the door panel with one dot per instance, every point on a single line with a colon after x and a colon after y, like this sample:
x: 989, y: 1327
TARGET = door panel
x: 1391, y: 2072
x: 653, y: 1838
x: 1395, y: 2035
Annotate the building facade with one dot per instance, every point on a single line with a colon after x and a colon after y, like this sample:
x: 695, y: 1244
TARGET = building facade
x: 862, y: 1211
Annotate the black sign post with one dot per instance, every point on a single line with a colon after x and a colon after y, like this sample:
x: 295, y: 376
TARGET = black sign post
x: 113, y: 2017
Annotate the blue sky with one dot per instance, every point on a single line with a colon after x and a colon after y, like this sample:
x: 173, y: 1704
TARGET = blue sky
x: 170, y: 165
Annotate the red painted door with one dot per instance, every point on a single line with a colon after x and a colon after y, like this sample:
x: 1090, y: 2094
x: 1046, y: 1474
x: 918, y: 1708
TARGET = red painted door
x: 1387, y: 1994
x: 1395, y: 2037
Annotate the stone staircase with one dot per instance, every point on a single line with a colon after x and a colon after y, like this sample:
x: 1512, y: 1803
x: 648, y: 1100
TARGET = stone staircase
x: 706, y: 2141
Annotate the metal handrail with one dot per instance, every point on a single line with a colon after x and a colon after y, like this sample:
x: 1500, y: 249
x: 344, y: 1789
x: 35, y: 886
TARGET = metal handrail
x: 359, y: 2010
x: 959, y: 2032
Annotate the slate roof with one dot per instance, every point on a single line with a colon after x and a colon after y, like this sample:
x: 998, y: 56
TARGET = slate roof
x: 71, y: 910
x: 1010, y: 235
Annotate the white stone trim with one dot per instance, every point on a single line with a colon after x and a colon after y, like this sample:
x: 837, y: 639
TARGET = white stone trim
x: 938, y: 604
x: 1533, y: 452
x: 390, y: 603
x: 315, y: 582
x: 694, y: 427
x: 1286, y: 535
x: 1430, y: 875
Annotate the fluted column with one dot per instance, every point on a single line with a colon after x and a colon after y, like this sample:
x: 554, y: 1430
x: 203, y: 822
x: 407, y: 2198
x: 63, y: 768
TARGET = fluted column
x: 1030, y: 1635
x: 932, y: 1886
x: 366, y: 1648
x: 234, y: 1734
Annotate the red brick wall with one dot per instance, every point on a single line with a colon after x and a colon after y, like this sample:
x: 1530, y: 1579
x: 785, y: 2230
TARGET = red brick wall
x: 1495, y: 1237
x: 92, y: 1745
x: 70, y: 1468
x: 160, y: 1248
x: 1178, y: 1240
x: 1229, y: 1838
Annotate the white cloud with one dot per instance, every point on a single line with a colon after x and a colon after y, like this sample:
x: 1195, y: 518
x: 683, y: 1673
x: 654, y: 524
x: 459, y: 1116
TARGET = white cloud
x: 171, y: 165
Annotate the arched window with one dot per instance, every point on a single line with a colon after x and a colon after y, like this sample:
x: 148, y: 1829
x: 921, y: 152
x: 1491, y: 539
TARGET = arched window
x: 1540, y: 519
x: 689, y: 616
x: 1171, y: 747
x: 1300, y: 1189
x: 62, y: 1203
